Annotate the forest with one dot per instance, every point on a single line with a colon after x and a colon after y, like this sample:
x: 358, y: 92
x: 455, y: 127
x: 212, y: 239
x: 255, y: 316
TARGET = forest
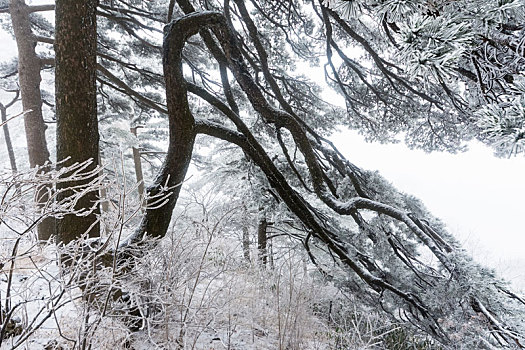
x: 180, y: 189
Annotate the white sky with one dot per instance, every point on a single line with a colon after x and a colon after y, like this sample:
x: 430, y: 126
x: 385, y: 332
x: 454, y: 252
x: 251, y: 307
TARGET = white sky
x: 480, y: 198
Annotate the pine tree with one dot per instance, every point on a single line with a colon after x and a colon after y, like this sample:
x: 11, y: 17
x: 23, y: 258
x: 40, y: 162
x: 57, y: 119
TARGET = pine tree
x: 76, y: 109
x: 418, y: 68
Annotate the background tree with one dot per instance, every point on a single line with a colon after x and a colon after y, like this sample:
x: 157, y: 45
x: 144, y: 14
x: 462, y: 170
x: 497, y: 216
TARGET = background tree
x: 5, y: 127
x: 29, y: 65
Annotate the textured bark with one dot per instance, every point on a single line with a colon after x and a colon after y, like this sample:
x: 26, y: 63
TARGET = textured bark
x: 29, y: 79
x: 76, y: 105
x: 181, y: 125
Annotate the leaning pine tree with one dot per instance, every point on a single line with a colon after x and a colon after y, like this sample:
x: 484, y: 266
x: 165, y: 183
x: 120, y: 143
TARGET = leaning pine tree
x: 412, y: 87
x: 439, y: 72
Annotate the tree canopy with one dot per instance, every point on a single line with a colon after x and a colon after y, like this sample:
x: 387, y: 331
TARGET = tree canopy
x: 466, y: 54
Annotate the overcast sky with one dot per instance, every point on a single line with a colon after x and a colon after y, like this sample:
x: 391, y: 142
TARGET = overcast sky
x: 481, y: 198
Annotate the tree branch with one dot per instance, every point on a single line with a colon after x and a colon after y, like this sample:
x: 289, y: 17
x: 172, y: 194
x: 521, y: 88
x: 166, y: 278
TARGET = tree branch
x: 40, y: 8
x: 129, y: 91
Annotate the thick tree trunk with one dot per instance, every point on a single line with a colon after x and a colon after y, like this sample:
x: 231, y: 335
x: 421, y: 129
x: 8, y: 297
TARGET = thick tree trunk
x: 29, y: 78
x: 76, y: 105
x: 182, y: 129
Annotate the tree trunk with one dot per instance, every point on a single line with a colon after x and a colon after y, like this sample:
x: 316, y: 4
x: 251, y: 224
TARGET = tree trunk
x: 29, y: 79
x: 181, y: 135
x: 245, y: 234
x: 138, y: 167
x: 7, y: 136
x: 8, y: 142
x: 76, y: 106
x: 262, y: 241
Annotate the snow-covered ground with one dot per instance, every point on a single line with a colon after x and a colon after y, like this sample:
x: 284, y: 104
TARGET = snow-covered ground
x: 193, y: 290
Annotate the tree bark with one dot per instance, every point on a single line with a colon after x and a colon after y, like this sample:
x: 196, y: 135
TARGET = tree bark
x: 76, y: 107
x: 262, y: 241
x: 181, y: 125
x: 245, y: 234
x: 29, y: 79
x: 138, y: 167
x: 7, y: 136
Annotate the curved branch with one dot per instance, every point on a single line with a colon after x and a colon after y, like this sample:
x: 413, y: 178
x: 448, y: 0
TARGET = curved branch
x: 181, y: 122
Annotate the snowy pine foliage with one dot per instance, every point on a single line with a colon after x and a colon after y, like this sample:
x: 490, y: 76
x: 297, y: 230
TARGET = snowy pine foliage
x: 472, y: 49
